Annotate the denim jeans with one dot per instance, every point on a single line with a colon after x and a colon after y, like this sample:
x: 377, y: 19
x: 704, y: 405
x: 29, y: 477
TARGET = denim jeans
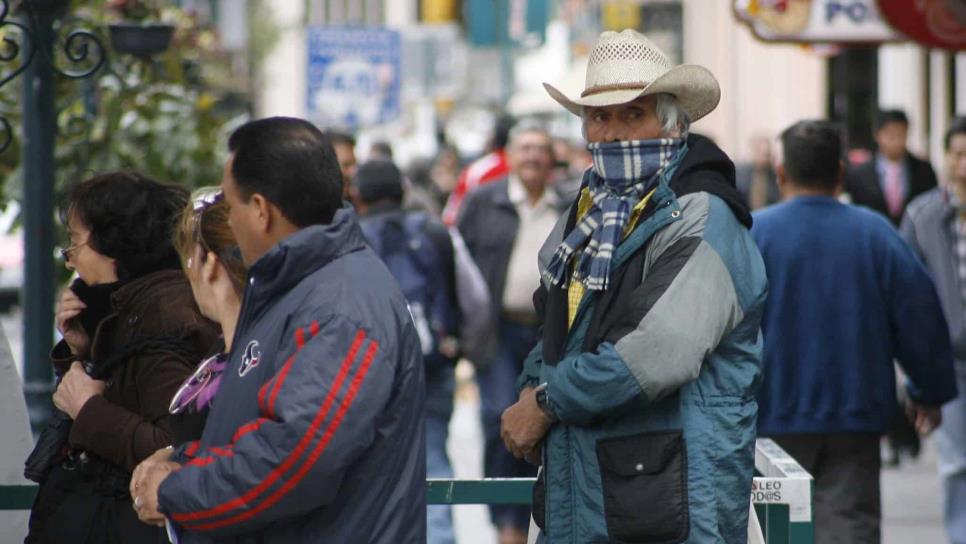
x: 497, y: 384
x: 951, y: 447
x: 440, y: 383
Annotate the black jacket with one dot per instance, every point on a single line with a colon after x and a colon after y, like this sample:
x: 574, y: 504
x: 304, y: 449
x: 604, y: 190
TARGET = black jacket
x: 863, y: 183
x: 488, y: 223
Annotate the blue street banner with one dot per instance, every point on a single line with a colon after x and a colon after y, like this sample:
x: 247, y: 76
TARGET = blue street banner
x: 353, y: 75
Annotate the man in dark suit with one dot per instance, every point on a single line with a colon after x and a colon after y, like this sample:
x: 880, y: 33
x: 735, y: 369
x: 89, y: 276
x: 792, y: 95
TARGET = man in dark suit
x: 893, y: 177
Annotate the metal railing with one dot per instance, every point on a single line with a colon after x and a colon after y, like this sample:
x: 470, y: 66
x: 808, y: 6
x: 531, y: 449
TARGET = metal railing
x: 782, y: 494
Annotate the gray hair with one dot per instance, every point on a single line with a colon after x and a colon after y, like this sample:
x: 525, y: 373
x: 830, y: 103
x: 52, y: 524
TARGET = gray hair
x: 672, y: 115
x: 674, y: 120
x: 527, y: 126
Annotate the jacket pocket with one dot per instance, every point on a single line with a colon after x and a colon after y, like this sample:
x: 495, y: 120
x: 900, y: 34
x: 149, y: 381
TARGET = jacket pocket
x: 645, y: 487
x: 539, y: 508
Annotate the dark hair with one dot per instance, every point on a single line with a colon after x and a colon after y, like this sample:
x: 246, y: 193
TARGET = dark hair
x: 131, y: 218
x: 379, y: 180
x: 290, y: 163
x: 382, y: 148
x: 338, y: 137
x: 956, y: 126
x: 885, y: 117
x: 501, y: 131
x: 812, y: 153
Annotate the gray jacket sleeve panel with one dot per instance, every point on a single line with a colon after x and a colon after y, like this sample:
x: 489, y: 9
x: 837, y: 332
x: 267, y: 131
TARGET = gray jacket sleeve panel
x: 697, y: 310
x: 473, y: 297
x: 695, y: 208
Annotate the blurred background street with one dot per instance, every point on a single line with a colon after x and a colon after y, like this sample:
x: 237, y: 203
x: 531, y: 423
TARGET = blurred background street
x: 431, y: 85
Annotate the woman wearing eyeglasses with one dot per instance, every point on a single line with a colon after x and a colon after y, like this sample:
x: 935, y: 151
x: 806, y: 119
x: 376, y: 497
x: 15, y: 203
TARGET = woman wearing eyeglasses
x: 132, y: 334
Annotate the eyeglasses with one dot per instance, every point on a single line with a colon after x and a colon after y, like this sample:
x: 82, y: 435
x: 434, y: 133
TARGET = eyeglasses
x: 68, y: 252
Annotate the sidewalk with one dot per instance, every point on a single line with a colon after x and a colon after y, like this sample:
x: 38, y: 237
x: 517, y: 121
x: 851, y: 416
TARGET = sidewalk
x: 912, y: 501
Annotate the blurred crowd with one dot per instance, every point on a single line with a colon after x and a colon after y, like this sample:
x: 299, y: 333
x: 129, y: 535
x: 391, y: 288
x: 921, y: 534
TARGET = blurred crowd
x: 637, y: 310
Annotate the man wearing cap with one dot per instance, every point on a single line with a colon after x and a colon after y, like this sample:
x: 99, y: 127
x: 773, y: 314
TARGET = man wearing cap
x: 639, y: 399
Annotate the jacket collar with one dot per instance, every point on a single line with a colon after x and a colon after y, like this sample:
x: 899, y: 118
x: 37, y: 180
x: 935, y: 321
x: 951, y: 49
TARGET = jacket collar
x: 136, y: 288
x: 516, y: 194
x: 305, y: 252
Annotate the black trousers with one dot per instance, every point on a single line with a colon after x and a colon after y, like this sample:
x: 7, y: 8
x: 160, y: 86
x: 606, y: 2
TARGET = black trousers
x: 847, y: 502
x: 73, y: 507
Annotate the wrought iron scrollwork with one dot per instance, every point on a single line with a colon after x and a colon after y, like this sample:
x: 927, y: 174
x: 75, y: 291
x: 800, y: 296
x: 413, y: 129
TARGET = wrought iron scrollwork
x: 82, y: 50
x: 10, y: 50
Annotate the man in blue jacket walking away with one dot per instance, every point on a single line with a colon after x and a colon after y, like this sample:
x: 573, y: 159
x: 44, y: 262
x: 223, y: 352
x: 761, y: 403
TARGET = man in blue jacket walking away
x: 847, y: 296
x: 317, y: 431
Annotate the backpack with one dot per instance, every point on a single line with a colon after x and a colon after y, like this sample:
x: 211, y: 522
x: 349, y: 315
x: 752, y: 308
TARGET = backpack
x: 419, y: 254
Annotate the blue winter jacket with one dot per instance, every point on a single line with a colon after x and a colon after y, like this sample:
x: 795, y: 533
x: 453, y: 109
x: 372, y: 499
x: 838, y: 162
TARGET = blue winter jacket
x: 316, y: 433
x: 654, y: 383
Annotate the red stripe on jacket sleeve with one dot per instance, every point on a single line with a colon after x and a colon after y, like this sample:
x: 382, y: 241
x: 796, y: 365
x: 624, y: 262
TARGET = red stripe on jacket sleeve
x: 247, y: 428
x: 299, y: 343
x: 293, y: 457
x: 201, y: 461
x: 263, y: 390
x: 192, y: 448
x: 311, y: 459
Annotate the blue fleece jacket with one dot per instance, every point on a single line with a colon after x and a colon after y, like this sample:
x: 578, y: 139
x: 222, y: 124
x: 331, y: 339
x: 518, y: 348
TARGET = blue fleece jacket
x: 846, y: 297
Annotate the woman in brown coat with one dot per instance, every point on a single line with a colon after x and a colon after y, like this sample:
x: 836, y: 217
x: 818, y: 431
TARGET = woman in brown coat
x: 131, y: 333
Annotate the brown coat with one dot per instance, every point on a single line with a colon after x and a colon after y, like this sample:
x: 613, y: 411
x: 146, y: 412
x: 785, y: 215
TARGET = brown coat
x: 130, y: 421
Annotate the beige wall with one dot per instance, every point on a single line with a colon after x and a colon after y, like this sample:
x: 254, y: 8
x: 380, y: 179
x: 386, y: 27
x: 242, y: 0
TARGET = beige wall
x: 281, y: 76
x: 764, y: 87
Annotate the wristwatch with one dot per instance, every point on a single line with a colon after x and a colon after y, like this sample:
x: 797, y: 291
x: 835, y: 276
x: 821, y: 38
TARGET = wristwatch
x: 543, y: 400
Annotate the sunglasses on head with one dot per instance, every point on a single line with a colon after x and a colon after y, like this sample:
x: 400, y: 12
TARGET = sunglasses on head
x: 201, y: 201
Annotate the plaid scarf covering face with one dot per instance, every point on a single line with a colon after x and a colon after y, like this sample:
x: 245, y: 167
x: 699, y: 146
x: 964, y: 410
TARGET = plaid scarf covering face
x: 622, y: 174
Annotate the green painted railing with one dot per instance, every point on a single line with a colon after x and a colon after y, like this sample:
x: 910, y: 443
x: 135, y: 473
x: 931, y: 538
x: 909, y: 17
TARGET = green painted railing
x: 782, y: 495
x: 17, y: 497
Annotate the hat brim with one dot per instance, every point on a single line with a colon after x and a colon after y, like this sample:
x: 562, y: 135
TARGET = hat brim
x: 694, y: 87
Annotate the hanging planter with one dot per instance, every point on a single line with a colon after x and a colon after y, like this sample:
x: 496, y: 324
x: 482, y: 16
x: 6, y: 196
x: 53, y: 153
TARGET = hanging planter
x: 140, y: 40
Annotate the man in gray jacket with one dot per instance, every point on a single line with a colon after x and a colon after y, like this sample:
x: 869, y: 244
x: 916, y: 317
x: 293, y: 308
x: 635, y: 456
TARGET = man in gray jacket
x: 935, y: 226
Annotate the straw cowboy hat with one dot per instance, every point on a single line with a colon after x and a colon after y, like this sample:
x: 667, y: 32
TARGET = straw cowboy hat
x: 625, y: 65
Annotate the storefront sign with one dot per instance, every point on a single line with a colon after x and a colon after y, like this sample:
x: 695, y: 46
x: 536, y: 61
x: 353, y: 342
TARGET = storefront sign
x: 936, y: 23
x: 809, y: 21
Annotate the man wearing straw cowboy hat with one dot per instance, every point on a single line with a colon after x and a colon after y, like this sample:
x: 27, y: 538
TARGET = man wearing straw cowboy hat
x: 639, y: 399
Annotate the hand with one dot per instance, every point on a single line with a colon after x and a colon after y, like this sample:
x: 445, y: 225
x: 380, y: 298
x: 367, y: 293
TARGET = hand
x: 524, y: 425
x: 924, y: 418
x: 157, y: 458
x: 75, y: 389
x: 68, y: 308
x: 145, y: 482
